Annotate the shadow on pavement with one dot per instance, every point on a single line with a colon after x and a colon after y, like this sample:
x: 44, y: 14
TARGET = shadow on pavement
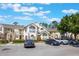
x: 4, y: 49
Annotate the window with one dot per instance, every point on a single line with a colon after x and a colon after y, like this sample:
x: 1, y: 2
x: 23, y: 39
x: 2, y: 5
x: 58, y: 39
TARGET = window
x: 41, y: 28
x: 21, y: 31
x: 16, y: 31
x: 0, y: 28
x: 31, y: 29
x: 32, y: 37
x: 17, y: 36
x: 44, y: 34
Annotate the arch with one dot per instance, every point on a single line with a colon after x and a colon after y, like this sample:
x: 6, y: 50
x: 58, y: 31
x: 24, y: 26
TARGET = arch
x: 32, y: 37
x: 45, y: 36
x: 56, y: 35
x: 32, y: 27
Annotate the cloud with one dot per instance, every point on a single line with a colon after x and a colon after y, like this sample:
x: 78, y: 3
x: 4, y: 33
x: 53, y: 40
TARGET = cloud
x: 46, y: 3
x: 3, y: 6
x: 38, y: 14
x: 22, y: 18
x: 26, y: 9
x: 49, y: 20
x: 42, y: 13
x: 19, y: 8
x: 41, y: 8
x: 28, y: 14
x: 45, y: 17
x: 55, y: 19
x: 30, y: 9
x: 3, y: 17
x: 70, y: 11
x: 10, y: 5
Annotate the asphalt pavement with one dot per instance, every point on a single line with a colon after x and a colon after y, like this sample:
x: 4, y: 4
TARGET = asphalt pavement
x: 41, y: 49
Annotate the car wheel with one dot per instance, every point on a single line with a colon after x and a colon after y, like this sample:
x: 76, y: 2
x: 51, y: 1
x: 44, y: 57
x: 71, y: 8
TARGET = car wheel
x: 51, y: 44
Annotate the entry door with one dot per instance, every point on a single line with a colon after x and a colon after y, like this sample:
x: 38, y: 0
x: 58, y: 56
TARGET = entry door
x: 10, y: 38
x: 39, y: 38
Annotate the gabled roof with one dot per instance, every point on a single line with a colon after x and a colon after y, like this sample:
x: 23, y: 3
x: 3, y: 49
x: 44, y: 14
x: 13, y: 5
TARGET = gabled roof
x: 12, y: 26
x: 53, y: 29
x: 30, y: 25
x: 37, y: 24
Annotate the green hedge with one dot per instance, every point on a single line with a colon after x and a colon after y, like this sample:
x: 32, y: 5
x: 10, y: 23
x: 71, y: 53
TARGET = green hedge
x: 39, y: 41
x: 3, y: 41
x: 22, y: 41
x: 18, y: 41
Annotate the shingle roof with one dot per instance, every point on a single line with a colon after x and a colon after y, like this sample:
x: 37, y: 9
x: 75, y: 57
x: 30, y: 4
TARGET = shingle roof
x: 52, y: 29
x: 13, y: 26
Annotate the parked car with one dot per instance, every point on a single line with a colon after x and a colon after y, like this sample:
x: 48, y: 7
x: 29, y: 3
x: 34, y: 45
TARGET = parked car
x: 77, y: 45
x: 49, y: 41
x: 55, y: 43
x: 29, y: 44
x: 73, y: 42
x: 52, y: 42
x: 62, y: 41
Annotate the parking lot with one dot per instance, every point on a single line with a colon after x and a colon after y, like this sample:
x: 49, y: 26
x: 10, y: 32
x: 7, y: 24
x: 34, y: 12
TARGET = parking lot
x: 41, y: 49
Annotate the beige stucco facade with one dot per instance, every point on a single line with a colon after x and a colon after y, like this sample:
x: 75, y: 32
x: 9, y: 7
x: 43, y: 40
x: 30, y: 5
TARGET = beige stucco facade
x: 11, y: 32
x: 32, y: 31
x: 55, y: 35
x: 36, y: 32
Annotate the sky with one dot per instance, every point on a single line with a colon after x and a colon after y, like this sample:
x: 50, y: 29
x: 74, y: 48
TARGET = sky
x: 26, y: 13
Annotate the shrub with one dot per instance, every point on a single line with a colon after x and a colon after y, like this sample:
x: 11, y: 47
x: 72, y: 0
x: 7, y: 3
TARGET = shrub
x: 39, y: 41
x: 3, y: 41
x: 18, y: 41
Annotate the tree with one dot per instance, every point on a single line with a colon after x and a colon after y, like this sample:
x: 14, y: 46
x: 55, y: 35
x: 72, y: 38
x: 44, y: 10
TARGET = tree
x: 63, y: 27
x: 15, y: 23
x: 44, y: 24
x: 70, y: 23
x: 74, y: 25
x: 55, y: 23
